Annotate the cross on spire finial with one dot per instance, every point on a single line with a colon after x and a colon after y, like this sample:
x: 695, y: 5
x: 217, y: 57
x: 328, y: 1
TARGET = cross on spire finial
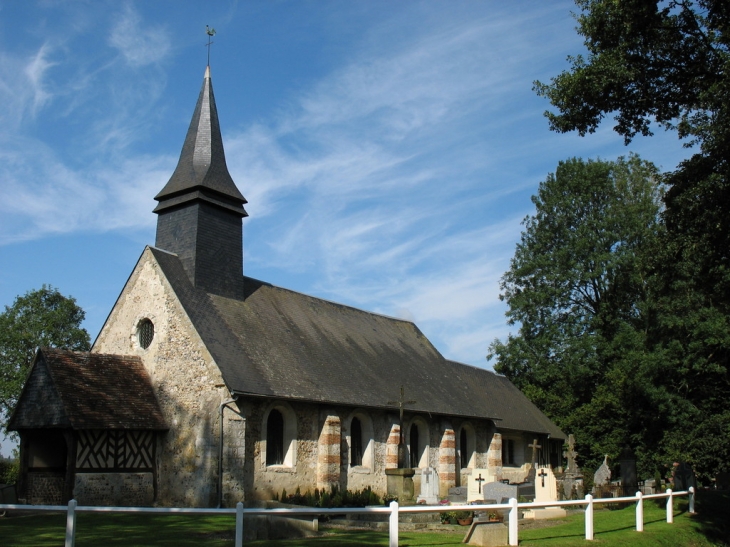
x: 210, y: 31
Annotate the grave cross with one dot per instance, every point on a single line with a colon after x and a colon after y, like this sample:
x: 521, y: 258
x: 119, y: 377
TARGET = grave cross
x: 210, y: 32
x: 571, y: 454
x: 535, y: 447
x: 401, y: 444
x: 542, y: 475
x: 480, y: 480
x: 427, y: 473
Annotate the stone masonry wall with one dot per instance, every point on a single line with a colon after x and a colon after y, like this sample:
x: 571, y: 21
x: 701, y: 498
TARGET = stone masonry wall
x: 188, y: 385
x: 133, y: 489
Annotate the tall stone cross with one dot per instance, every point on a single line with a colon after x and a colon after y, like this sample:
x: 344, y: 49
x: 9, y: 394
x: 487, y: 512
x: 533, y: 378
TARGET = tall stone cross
x: 535, y: 447
x: 401, y: 442
x: 210, y: 32
x: 480, y: 480
x: 542, y: 475
x: 571, y: 455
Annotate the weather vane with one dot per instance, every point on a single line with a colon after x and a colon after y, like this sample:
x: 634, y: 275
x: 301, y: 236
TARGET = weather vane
x: 210, y: 32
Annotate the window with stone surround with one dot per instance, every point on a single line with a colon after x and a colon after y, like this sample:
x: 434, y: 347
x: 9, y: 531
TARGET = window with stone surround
x: 279, y: 436
x: 275, y: 438
x: 355, y: 442
x: 467, y: 446
x: 145, y: 333
x: 418, y: 444
x: 360, y: 441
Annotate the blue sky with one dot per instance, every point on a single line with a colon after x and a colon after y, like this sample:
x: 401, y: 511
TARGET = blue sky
x: 388, y: 150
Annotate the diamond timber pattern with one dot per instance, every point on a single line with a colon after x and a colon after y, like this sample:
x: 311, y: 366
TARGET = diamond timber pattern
x: 118, y: 450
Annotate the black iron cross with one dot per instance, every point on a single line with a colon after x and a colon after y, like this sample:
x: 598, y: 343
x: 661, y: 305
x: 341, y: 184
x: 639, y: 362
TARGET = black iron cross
x: 542, y: 475
x: 210, y: 32
x: 480, y: 480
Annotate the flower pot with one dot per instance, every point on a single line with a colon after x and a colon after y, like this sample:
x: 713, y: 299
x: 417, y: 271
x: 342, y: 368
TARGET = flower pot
x: 465, y: 522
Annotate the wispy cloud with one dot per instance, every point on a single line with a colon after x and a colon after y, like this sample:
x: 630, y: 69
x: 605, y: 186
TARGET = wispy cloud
x: 139, y: 42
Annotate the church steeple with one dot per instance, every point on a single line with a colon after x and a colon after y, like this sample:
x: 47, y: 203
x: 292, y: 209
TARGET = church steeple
x: 200, y: 208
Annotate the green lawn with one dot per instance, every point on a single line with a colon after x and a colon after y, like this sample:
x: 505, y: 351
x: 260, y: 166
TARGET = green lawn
x: 710, y: 527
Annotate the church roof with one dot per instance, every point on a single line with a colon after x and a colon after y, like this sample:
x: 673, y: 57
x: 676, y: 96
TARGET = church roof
x: 284, y: 344
x: 80, y: 390
x: 201, y: 172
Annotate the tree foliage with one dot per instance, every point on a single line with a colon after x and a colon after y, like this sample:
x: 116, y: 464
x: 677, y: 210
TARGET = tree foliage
x: 578, y: 289
x: 42, y: 317
x: 653, y: 63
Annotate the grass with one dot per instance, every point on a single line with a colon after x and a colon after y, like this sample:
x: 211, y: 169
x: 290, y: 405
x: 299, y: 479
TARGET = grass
x: 710, y: 527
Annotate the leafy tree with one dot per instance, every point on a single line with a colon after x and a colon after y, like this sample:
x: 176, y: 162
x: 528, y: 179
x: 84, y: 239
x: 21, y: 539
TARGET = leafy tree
x: 667, y: 64
x: 42, y: 317
x: 578, y: 289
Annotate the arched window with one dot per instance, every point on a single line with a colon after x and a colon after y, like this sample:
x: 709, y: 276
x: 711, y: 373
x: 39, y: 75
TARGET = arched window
x: 275, y: 438
x: 356, y: 444
x: 415, y: 456
x: 145, y: 333
x: 463, y: 449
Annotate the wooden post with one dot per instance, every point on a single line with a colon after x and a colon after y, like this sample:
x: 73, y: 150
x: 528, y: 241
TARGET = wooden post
x: 639, y: 512
x: 239, y: 524
x: 691, y: 500
x: 670, y: 507
x: 71, y: 524
x: 393, y: 521
x: 512, y: 531
x: 589, y: 517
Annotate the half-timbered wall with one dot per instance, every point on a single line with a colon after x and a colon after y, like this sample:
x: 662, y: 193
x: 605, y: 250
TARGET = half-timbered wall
x: 115, y: 450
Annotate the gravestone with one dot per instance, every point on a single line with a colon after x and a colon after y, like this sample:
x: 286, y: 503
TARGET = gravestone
x: 629, y: 481
x: 546, y: 490
x: 683, y: 476
x: 429, y: 487
x: 500, y: 492
x: 477, y: 480
x: 603, y: 475
x: 458, y: 494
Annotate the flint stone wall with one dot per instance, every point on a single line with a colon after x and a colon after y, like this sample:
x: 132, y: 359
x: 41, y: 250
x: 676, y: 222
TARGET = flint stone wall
x: 188, y: 385
x: 134, y: 489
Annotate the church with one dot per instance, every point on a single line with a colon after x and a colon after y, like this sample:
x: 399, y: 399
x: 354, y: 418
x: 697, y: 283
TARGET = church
x: 206, y: 387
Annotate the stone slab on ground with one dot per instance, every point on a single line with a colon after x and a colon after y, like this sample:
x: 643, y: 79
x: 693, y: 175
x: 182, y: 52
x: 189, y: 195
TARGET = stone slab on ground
x: 546, y: 513
x: 487, y: 534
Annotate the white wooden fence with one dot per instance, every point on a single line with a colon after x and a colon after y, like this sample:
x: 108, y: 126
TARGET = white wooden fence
x: 393, y: 510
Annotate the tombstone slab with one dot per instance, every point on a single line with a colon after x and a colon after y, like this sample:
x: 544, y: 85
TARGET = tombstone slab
x: 500, y: 491
x: 487, y: 534
x: 477, y: 480
x: 429, y: 487
x: 603, y: 474
x: 546, y: 490
x: 457, y: 494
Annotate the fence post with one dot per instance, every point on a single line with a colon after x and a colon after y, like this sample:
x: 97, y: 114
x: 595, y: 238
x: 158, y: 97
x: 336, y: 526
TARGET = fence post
x: 589, y: 517
x: 71, y: 524
x: 691, y: 499
x: 393, y: 524
x: 670, y: 507
x: 239, y: 524
x: 639, y: 512
x: 513, y: 517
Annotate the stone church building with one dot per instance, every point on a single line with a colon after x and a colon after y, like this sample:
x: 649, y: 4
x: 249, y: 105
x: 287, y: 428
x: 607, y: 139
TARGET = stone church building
x: 205, y: 386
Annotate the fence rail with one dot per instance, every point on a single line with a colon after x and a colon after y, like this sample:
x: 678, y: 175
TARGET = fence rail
x: 393, y: 510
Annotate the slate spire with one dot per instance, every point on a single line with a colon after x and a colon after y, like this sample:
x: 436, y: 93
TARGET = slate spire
x: 200, y: 208
x: 201, y: 172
